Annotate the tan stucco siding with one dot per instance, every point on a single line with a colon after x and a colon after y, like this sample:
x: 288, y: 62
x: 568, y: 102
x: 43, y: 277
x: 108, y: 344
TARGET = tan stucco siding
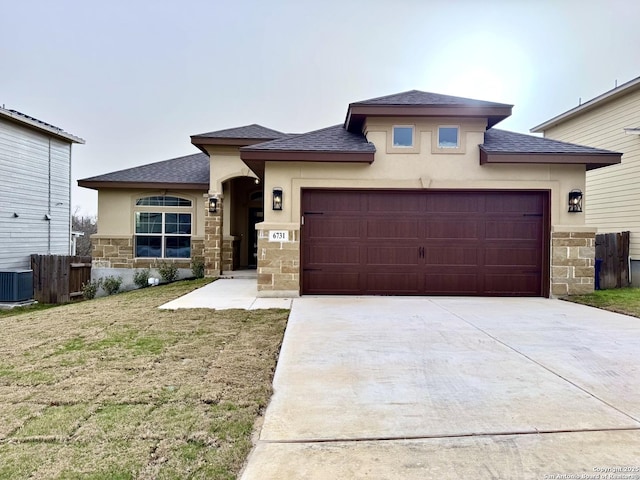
x: 116, y: 208
x: 424, y: 169
x: 225, y: 165
x: 612, y: 198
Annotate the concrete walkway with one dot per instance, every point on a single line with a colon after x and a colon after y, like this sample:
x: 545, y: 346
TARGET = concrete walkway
x: 226, y: 294
x: 450, y: 388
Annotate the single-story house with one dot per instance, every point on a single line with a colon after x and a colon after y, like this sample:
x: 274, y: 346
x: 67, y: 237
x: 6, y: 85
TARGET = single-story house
x: 414, y: 193
x: 35, y: 189
x: 611, y: 121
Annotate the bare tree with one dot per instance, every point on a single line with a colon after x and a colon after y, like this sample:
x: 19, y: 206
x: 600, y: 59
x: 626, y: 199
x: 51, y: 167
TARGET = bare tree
x: 88, y: 225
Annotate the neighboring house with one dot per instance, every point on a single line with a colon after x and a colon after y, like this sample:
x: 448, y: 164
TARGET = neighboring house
x: 35, y: 189
x: 611, y: 121
x: 414, y: 194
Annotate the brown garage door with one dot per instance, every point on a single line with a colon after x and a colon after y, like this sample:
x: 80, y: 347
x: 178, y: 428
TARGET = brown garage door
x: 425, y: 243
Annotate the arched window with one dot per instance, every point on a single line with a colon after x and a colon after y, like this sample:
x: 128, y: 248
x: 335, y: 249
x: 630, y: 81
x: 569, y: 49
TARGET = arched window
x: 162, y: 227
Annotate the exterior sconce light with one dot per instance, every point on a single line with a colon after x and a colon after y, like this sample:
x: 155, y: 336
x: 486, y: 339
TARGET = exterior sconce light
x: 575, y: 201
x: 277, y: 198
x: 213, y: 204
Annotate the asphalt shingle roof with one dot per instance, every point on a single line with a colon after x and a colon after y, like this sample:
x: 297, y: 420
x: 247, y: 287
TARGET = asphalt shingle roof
x: 417, y: 97
x: 253, y: 131
x: 330, y: 139
x: 188, y: 169
x: 503, y: 141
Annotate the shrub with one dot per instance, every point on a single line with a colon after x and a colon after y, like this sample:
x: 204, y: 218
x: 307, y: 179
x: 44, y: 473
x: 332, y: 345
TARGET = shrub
x: 168, y: 272
x: 111, y: 285
x: 141, y: 277
x: 90, y: 288
x: 197, y: 267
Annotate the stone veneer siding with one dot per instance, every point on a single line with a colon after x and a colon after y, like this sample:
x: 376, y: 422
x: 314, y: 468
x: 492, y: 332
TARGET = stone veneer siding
x: 572, y: 263
x: 118, y: 253
x: 213, y: 243
x: 278, y: 265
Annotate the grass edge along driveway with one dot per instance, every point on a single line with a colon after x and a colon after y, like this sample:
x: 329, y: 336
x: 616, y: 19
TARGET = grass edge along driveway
x: 114, y: 388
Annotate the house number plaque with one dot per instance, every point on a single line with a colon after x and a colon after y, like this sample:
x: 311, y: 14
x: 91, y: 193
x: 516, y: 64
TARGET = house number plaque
x: 278, y: 235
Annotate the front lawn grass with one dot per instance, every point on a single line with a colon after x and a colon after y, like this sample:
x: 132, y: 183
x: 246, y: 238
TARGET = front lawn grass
x: 114, y: 388
x: 620, y: 300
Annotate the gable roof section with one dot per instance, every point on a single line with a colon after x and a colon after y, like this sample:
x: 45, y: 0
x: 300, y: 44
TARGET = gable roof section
x: 236, y: 137
x: 331, y: 144
x: 501, y: 146
x: 416, y: 103
x: 190, y: 172
x: 612, y: 94
x: 35, y: 124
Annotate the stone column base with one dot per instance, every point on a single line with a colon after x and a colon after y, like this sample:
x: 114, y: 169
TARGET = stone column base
x: 572, y: 261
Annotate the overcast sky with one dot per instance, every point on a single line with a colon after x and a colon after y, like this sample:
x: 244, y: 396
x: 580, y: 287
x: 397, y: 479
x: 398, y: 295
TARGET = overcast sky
x: 136, y: 78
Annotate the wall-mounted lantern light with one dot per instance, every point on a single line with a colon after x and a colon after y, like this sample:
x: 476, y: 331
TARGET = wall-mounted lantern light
x: 213, y: 204
x: 575, y: 201
x: 277, y: 198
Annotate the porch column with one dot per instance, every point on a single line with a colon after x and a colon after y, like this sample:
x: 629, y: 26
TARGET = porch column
x: 572, y: 261
x: 213, y: 237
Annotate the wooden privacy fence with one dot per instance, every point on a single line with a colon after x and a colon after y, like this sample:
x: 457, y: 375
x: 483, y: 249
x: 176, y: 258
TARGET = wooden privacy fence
x: 612, y: 260
x: 59, y: 278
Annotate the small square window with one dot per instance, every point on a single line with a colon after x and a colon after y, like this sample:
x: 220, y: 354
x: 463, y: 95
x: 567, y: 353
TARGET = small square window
x: 403, y: 136
x: 448, y: 137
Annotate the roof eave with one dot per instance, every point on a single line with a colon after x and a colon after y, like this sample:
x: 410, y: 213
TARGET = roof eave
x: 200, y: 142
x: 98, y: 184
x: 591, y: 161
x: 593, y: 103
x: 256, y: 159
x: 41, y: 127
x: 357, y: 113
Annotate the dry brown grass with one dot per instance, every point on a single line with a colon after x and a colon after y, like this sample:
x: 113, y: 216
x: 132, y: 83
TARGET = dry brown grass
x: 114, y: 388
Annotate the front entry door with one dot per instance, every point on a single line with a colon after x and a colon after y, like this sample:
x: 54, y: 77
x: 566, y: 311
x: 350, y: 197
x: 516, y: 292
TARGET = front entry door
x: 256, y: 215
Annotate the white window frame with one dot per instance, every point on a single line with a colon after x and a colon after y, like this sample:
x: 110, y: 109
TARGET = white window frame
x: 447, y: 147
x: 413, y: 136
x: 163, y: 211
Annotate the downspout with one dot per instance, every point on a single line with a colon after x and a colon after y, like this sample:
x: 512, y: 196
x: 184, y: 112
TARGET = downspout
x: 72, y: 249
x: 48, y: 216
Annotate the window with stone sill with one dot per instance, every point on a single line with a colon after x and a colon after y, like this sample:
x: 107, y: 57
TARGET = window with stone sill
x: 162, y: 234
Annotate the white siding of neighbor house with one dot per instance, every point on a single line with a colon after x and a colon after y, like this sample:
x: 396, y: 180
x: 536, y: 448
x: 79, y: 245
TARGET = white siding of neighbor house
x: 35, y: 178
x: 612, y: 196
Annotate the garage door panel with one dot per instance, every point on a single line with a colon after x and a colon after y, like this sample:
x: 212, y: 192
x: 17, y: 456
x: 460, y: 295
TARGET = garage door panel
x: 451, y: 284
x: 454, y: 203
x: 512, y: 257
x: 333, y: 255
x: 333, y: 228
x: 333, y: 201
x: 512, y: 284
x: 332, y: 282
x: 458, y: 228
x: 390, y: 283
x: 513, y: 229
x: 451, y: 256
x: 385, y: 228
x: 514, y: 202
x: 405, y: 202
x: 391, y: 256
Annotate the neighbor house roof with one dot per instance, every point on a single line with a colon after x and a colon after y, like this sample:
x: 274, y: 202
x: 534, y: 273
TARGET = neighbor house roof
x: 424, y: 104
x: 190, y: 172
x: 612, y: 94
x: 39, y: 125
x: 238, y: 137
x: 501, y: 146
x: 331, y: 144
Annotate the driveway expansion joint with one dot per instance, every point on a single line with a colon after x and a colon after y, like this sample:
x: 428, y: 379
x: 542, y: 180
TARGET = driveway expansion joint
x: 449, y: 436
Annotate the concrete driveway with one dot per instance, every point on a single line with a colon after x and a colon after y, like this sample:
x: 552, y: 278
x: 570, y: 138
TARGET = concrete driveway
x: 450, y: 388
